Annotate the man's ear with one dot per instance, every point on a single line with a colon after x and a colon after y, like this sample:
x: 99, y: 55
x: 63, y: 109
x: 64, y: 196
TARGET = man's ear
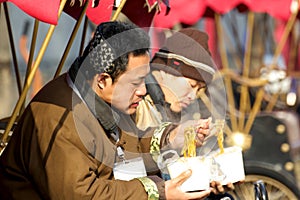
x: 104, y: 80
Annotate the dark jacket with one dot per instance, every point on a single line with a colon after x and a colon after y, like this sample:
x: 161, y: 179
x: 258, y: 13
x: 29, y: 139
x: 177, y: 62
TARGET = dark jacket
x: 59, y: 150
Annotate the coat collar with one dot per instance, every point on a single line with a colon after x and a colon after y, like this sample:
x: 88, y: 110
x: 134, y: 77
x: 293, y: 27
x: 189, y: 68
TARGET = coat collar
x: 105, y: 114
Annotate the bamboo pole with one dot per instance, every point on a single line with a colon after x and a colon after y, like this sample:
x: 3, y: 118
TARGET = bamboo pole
x: 31, y: 54
x: 293, y: 50
x: 84, y: 30
x: 32, y: 48
x: 287, y: 30
x: 13, y: 50
x: 250, y: 82
x: 254, y: 111
x: 272, y: 102
x: 244, y: 88
x: 118, y: 11
x: 71, y: 40
x: 30, y: 77
x: 227, y: 80
x: 209, y: 106
x: 283, y: 39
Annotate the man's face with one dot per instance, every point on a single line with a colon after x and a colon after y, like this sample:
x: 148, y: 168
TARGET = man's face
x: 180, y: 91
x: 129, y: 88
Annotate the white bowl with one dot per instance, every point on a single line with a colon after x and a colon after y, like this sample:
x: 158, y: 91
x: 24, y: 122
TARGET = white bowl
x: 227, y: 167
x: 200, y: 178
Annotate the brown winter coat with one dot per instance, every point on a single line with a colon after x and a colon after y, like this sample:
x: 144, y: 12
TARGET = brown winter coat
x: 60, y: 151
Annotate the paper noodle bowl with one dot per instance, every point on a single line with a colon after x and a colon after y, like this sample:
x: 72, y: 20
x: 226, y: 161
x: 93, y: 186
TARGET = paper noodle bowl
x: 227, y: 167
x: 199, y: 180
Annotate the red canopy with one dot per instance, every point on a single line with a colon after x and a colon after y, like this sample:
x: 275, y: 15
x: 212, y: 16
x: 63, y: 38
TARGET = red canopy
x: 43, y: 11
x: 141, y: 12
x: 100, y: 13
x: 47, y: 11
x: 189, y: 12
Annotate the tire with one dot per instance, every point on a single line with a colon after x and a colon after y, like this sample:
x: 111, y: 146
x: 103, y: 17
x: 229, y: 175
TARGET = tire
x: 278, y: 185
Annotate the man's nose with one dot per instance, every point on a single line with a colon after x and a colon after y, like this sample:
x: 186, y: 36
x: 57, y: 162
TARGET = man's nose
x: 141, y: 91
x: 192, y: 95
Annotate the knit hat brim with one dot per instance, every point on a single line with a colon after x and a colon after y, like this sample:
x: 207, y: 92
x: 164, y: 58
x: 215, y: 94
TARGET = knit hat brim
x: 183, y: 55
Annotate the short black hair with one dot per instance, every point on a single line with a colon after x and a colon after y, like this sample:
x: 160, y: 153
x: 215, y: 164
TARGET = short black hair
x: 121, y: 39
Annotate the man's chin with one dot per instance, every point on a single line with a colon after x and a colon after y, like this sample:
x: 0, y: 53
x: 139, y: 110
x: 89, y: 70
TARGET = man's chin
x: 176, y: 109
x: 131, y: 111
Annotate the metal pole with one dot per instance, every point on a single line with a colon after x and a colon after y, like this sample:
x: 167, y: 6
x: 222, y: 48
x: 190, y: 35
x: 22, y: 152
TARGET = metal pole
x: 30, y: 78
x: 12, y: 46
x: 227, y: 80
x: 118, y: 10
x: 31, y: 54
x: 255, y: 109
x: 244, y: 101
x: 75, y: 30
x: 32, y: 47
x: 84, y: 30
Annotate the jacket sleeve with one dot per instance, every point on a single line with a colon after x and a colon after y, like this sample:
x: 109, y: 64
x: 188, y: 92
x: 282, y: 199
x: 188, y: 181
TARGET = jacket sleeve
x: 76, y: 175
x: 51, y: 159
x: 160, y: 139
x: 73, y: 173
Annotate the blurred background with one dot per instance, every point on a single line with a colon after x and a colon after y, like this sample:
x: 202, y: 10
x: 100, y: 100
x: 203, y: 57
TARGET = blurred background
x: 266, y: 28
x: 255, y: 44
x: 22, y: 28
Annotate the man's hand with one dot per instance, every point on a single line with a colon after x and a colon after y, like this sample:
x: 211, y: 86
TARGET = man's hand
x: 173, y: 191
x: 201, y: 127
x: 218, y: 188
x: 202, y: 130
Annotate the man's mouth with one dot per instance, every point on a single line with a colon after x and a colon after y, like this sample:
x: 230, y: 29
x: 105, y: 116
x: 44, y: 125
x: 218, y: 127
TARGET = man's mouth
x: 184, y: 104
x: 134, y: 105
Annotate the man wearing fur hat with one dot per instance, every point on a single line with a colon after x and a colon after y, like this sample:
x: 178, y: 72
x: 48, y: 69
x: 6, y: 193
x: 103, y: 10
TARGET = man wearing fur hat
x: 179, y: 70
x: 77, y: 140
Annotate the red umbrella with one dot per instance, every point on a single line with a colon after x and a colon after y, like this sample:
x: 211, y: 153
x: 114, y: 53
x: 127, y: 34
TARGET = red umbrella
x: 224, y: 6
x: 99, y: 13
x: 141, y: 12
x: 180, y: 12
x: 43, y: 11
x: 280, y: 9
x: 189, y: 13
x: 47, y: 11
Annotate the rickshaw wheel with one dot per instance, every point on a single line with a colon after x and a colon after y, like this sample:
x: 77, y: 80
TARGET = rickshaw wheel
x: 277, y: 188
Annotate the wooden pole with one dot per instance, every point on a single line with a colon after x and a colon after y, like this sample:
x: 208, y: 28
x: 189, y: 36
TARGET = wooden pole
x: 287, y: 30
x: 254, y: 110
x: 31, y: 54
x: 30, y: 78
x: 84, y: 30
x: 118, y: 11
x: 227, y: 80
x: 71, y: 40
x: 209, y: 106
x: 12, y: 46
x: 32, y: 48
x: 244, y: 101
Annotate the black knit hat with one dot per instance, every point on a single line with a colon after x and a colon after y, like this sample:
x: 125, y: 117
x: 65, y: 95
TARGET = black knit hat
x: 186, y: 53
